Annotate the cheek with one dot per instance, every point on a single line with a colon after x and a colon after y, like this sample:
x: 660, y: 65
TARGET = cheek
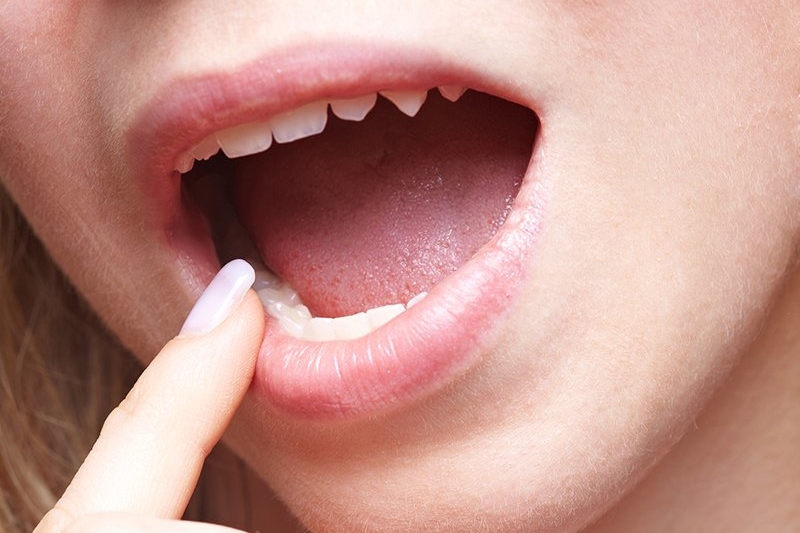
x: 44, y: 112
x: 675, y: 196
x: 60, y: 159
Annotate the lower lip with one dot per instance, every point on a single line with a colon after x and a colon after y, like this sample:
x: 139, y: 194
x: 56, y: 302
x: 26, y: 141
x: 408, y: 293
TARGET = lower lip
x: 417, y: 353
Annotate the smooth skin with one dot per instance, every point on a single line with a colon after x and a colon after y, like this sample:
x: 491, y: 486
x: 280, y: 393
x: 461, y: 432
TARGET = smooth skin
x: 668, y: 163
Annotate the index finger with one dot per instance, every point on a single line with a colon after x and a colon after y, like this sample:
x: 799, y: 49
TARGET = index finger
x: 152, y: 447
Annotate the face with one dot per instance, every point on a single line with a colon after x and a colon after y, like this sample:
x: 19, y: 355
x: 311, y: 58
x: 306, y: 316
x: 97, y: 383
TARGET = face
x: 592, y: 270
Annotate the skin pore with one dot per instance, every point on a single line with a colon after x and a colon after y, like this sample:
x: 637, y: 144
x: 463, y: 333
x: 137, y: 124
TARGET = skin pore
x: 667, y: 165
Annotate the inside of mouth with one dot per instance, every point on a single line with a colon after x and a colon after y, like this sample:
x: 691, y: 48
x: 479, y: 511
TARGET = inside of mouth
x: 375, y: 212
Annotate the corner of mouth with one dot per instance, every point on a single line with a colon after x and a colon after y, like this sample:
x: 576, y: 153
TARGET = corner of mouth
x: 414, y: 354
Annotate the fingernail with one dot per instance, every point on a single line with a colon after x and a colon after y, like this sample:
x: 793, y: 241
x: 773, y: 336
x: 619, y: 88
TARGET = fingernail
x: 221, y: 297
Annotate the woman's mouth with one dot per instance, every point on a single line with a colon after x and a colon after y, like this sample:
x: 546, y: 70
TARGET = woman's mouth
x: 389, y: 224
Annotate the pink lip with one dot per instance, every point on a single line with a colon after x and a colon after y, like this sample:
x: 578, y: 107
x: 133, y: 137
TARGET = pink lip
x: 418, y: 352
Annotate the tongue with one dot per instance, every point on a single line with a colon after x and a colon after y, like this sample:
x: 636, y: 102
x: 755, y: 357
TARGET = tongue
x: 373, y: 213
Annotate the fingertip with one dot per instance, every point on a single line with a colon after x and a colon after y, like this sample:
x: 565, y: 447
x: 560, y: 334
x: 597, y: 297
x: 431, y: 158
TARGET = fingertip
x: 252, y: 310
x: 230, y: 349
x: 220, y: 299
x: 247, y: 322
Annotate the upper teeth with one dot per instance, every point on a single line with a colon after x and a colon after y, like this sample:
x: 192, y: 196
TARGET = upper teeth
x: 354, y: 108
x: 310, y: 119
x: 409, y: 102
x: 242, y: 140
x: 302, y: 122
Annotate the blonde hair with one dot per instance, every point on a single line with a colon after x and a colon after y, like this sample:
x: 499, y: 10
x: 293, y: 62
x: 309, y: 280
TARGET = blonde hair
x: 60, y: 375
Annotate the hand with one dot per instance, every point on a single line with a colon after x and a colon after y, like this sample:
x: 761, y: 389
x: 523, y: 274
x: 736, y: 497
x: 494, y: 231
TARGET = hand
x: 143, y: 468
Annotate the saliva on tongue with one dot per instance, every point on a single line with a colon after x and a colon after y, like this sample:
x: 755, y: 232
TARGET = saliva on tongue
x: 373, y: 213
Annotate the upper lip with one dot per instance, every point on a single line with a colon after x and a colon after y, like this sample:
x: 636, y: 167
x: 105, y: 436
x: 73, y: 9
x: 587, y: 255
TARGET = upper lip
x: 185, y: 110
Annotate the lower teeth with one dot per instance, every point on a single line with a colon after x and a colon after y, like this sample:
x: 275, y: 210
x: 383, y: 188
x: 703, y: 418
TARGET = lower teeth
x: 283, y: 303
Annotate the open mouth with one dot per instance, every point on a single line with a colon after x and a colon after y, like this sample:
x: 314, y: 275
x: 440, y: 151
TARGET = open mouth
x: 349, y: 225
x: 388, y: 231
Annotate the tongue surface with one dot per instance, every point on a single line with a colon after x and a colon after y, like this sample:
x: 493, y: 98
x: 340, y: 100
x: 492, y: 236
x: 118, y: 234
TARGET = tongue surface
x: 372, y: 213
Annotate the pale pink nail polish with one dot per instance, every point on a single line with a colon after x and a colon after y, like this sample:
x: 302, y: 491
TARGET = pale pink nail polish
x: 220, y: 298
